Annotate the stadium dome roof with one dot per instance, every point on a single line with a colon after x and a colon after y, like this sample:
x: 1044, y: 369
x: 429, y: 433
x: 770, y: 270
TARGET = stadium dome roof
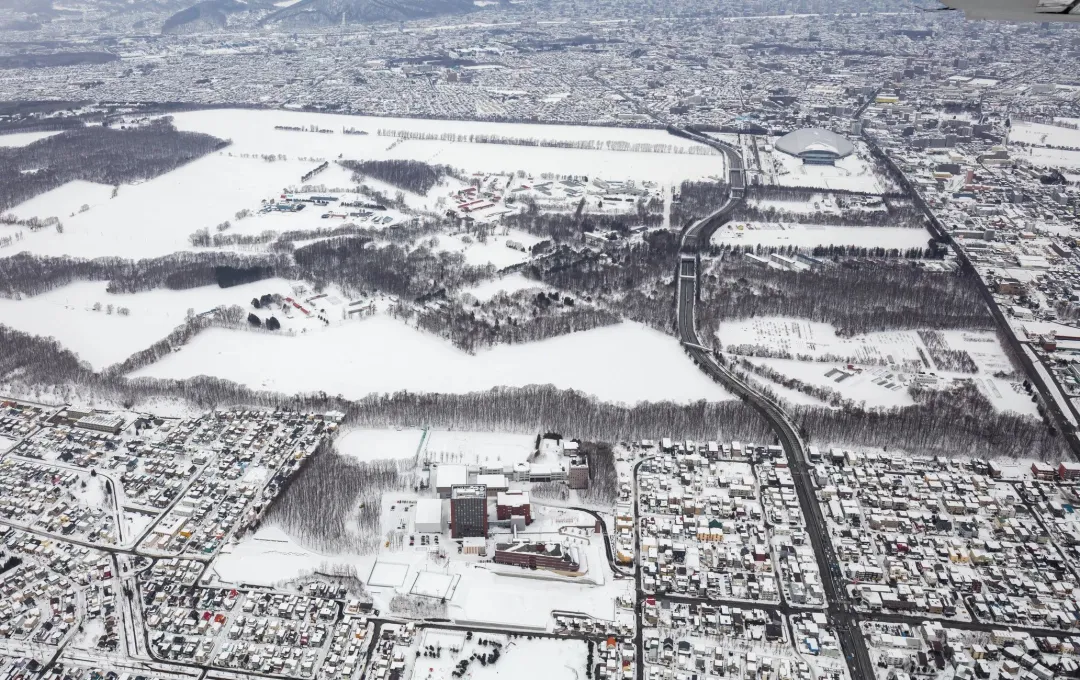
x: 815, y: 140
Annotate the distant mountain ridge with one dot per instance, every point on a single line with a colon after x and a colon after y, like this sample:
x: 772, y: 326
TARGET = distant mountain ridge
x: 206, y: 15
x: 325, y: 12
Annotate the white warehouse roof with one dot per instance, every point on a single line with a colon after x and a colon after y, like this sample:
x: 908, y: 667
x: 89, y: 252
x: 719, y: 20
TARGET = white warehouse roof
x: 447, y: 476
x: 428, y: 512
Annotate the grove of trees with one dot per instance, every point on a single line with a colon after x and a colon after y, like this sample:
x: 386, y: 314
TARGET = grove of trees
x: 97, y: 154
x: 415, y: 176
x: 855, y: 297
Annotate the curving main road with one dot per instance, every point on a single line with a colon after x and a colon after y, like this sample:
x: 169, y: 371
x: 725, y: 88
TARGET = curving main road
x: 695, y: 239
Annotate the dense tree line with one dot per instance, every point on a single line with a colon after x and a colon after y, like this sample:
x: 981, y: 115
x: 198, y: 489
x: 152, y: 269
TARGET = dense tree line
x: 97, y: 154
x: 777, y: 192
x: 222, y: 317
x: 28, y: 274
x: 959, y: 421
x: 569, y: 227
x: 895, y: 215
x: 825, y: 394
x: 587, y: 144
x: 696, y: 200
x: 832, y: 252
x: 355, y: 263
x: 945, y: 358
x: 603, y: 479
x: 621, y: 269
x: 941, y: 422
x: 415, y: 176
x: 856, y: 297
x: 34, y: 360
x: 333, y: 503
x: 634, y: 281
x: 462, y: 326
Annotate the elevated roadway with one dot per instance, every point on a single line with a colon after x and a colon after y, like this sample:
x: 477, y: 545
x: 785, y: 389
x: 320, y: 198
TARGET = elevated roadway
x: 695, y: 238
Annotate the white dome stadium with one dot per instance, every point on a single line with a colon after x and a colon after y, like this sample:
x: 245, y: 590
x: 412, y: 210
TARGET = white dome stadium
x: 815, y: 145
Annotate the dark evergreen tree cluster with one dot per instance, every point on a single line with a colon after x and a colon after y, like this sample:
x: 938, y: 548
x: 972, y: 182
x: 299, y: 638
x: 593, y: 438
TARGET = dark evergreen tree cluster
x: 29, y: 274
x: 97, y: 154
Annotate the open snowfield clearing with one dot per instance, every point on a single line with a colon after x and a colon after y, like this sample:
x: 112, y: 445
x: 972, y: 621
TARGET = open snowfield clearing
x: 62, y: 202
x: 1044, y: 135
x: 818, y: 204
x: 1052, y: 158
x: 365, y: 445
x: 853, y: 173
x: 103, y: 339
x: 25, y: 138
x: 478, y: 448
x: 135, y: 523
x: 388, y: 574
x: 520, y: 658
x: 253, y: 132
x: 382, y: 355
x: 807, y: 236
x: 156, y: 217
x: 6, y: 443
x: 509, y: 284
x: 495, y: 251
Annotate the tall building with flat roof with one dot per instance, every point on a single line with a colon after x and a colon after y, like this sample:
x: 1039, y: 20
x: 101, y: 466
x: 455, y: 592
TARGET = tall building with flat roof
x: 468, y: 510
x: 578, y: 477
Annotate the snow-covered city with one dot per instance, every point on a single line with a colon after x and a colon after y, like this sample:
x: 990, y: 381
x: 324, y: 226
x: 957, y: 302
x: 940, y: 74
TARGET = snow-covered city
x: 455, y: 339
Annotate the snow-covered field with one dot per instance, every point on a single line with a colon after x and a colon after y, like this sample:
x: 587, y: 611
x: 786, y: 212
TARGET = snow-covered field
x: 509, y: 284
x: 494, y: 251
x: 253, y: 132
x: 383, y: 355
x: 102, y: 338
x: 370, y: 444
x: 24, y: 138
x: 478, y: 448
x: 1042, y: 134
x: 520, y: 658
x: 883, y: 364
x: 62, y: 202
x: 807, y: 236
x: 1054, y: 158
x: 156, y: 217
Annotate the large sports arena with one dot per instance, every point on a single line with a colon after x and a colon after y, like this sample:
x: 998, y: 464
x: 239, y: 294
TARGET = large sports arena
x: 815, y: 146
